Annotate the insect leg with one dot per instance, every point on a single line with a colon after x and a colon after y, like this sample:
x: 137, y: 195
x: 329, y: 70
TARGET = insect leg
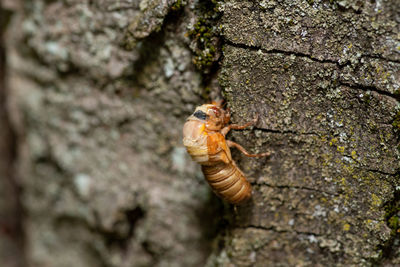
x: 233, y: 144
x: 226, y: 129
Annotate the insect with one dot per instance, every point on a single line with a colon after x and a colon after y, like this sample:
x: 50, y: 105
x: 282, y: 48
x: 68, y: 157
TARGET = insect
x: 204, y: 138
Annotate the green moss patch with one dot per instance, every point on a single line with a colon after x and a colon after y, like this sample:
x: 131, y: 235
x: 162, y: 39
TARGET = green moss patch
x: 205, y: 36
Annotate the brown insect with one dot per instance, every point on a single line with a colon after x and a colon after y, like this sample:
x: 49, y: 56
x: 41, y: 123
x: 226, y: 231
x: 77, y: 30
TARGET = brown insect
x: 204, y: 138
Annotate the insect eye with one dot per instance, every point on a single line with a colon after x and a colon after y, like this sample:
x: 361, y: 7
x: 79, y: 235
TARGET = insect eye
x: 200, y: 115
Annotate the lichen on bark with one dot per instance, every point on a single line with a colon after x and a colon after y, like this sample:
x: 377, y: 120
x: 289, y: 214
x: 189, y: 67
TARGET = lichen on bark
x: 323, y: 80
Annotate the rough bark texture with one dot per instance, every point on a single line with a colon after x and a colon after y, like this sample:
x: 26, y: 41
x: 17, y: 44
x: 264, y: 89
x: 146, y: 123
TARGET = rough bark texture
x: 99, y: 91
x: 324, y: 76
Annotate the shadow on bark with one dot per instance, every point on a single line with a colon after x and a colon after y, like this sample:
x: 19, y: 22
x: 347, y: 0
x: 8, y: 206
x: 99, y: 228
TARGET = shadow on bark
x: 11, y: 212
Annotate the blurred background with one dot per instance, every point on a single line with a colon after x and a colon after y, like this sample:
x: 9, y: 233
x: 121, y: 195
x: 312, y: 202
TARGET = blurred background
x: 93, y: 170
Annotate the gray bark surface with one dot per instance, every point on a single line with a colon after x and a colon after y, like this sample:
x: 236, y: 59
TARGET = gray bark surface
x: 324, y: 76
x: 98, y: 92
x: 11, y: 232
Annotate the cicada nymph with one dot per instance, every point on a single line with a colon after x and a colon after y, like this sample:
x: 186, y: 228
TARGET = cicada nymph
x: 204, y: 138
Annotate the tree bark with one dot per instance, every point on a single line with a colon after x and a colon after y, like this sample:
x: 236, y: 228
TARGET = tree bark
x: 11, y: 232
x: 98, y: 94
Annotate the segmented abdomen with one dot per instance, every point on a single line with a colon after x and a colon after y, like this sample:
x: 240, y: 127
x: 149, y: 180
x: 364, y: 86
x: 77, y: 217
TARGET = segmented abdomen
x: 228, y: 182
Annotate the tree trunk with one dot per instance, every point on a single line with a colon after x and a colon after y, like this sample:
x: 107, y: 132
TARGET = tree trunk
x: 98, y: 92
x: 11, y: 231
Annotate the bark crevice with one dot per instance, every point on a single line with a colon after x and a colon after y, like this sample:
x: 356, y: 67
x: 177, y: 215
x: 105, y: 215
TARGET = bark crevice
x: 339, y: 65
x: 274, y: 229
x: 296, y: 188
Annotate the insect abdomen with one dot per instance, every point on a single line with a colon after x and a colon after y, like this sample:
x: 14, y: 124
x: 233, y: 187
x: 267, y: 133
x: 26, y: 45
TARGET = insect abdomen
x: 227, y: 181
